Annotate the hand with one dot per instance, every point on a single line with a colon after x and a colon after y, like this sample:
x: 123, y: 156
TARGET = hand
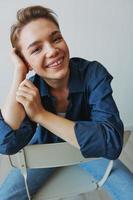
x: 19, y: 63
x: 28, y: 95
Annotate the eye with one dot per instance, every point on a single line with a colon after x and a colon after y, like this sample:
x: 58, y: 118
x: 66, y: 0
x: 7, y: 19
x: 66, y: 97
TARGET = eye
x: 36, y: 50
x: 57, y: 39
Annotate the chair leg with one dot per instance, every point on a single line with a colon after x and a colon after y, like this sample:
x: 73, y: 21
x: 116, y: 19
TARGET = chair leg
x: 106, y: 174
x: 26, y: 186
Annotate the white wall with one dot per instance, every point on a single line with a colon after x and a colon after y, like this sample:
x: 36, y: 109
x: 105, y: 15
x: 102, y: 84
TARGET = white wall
x: 95, y: 29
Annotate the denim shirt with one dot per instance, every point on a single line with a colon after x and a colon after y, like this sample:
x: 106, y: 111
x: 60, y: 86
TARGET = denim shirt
x: 98, y: 127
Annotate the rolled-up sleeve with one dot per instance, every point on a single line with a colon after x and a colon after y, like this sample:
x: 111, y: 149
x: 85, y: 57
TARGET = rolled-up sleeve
x: 102, y: 134
x: 11, y: 141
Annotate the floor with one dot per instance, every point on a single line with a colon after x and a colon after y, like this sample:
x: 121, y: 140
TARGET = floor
x: 126, y: 157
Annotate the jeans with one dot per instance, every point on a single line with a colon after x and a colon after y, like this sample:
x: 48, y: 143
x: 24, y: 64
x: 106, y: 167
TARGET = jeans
x: 119, y: 184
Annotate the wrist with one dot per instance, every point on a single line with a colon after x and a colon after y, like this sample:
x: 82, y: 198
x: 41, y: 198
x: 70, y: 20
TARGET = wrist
x: 20, y: 71
x: 39, y: 119
x: 19, y: 75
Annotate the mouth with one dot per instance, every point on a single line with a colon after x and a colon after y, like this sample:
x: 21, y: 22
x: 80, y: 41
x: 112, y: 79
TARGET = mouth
x: 56, y: 64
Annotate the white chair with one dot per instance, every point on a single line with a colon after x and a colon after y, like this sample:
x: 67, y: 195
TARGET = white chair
x: 69, y: 181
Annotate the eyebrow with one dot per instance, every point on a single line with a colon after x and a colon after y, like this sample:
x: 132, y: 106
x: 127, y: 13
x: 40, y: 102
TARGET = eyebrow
x: 38, y: 41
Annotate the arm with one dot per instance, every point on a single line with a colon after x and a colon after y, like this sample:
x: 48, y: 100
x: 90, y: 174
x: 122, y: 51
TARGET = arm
x: 101, y: 135
x: 12, y: 111
x: 28, y: 96
x: 61, y: 127
x: 16, y: 129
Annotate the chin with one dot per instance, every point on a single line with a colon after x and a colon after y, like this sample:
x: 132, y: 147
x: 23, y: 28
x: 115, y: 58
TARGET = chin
x: 62, y: 74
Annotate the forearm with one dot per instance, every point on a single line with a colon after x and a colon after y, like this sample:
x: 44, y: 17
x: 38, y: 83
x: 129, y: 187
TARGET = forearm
x: 59, y: 126
x: 12, y: 111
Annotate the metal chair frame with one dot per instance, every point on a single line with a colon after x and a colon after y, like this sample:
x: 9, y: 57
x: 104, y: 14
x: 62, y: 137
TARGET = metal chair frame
x: 59, y: 155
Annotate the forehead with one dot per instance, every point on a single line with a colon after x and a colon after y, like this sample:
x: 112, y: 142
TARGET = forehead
x: 36, y: 30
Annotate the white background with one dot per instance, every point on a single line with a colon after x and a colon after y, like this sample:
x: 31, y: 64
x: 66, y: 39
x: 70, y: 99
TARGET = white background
x: 94, y: 29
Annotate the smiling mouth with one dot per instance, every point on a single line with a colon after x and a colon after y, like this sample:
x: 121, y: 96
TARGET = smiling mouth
x: 56, y: 64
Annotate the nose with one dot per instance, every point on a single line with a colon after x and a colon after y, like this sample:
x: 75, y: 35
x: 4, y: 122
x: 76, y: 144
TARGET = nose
x: 50, y: 51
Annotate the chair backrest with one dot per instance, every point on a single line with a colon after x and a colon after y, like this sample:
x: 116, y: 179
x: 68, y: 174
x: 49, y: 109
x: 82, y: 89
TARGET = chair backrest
x: 53, y: 155
x: 48, y: 155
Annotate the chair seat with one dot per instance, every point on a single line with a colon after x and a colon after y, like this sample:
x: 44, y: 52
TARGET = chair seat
x: 71, y: 180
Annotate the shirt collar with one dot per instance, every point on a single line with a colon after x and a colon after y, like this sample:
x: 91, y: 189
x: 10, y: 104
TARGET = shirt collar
x: 75, y: 83
x: 41, y: 85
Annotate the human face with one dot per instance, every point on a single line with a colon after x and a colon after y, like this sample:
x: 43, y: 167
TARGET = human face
x: 44, y: 49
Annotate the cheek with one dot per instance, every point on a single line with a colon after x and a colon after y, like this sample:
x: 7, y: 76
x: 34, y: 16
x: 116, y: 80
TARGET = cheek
x: 64, y: 47
x: 37, y: 63
x: 67, y: 50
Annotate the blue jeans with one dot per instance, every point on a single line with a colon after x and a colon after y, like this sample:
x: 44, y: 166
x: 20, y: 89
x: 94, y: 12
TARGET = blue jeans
x: 119, y: 184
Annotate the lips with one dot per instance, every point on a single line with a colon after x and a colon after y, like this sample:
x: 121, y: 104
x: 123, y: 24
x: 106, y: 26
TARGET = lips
x: 55, y: 63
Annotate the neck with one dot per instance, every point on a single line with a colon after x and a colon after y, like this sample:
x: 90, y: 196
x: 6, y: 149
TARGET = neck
x: 58, y: 85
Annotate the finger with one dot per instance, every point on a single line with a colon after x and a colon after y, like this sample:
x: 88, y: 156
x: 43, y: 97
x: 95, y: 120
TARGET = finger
x: 20, y: 99
x: 29, y: 88
x: 25, y: 95
x: 27, y: 83
x: 26, y: 90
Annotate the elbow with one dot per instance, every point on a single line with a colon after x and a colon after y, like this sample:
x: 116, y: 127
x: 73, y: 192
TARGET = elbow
x: 109, y: 151
x: 8, y: 149
x: 113, y: 153
x: 10, y: 145
x: 11, y: 151
x: 114, y: 147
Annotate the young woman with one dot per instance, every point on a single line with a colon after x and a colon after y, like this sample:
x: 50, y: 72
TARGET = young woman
x: 69, y: 99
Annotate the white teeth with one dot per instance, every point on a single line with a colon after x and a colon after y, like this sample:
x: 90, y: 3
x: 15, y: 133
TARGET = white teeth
x: 56, y: 63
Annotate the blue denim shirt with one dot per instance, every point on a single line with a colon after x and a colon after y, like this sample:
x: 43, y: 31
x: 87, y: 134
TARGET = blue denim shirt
x: 98, y: 127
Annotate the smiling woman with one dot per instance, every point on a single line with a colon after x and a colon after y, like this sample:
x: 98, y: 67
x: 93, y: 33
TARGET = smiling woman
x: 76, y: 87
